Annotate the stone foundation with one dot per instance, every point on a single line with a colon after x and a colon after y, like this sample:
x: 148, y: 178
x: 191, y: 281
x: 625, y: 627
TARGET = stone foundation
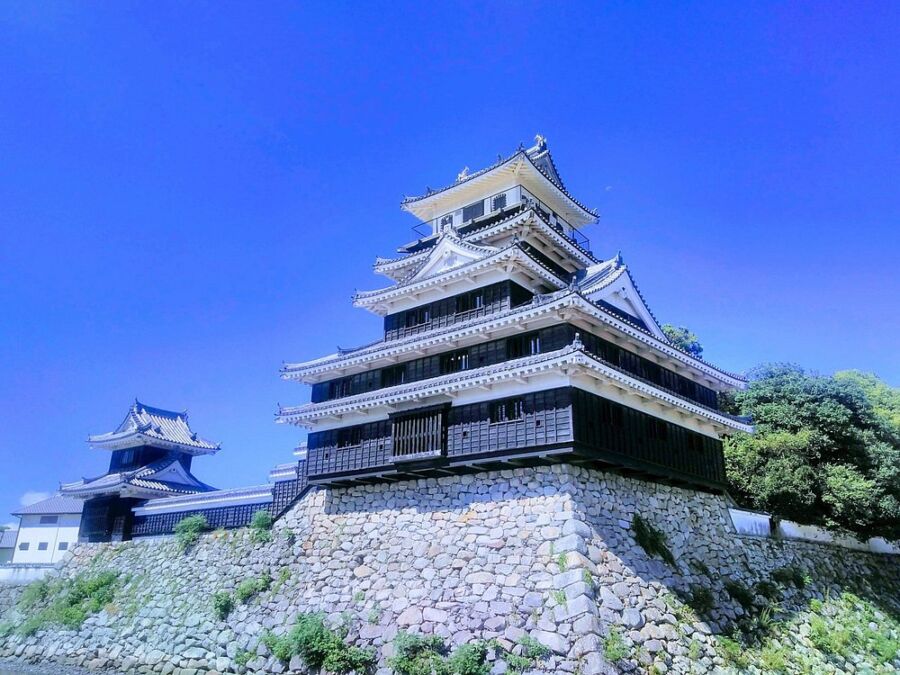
x: 547, y: 552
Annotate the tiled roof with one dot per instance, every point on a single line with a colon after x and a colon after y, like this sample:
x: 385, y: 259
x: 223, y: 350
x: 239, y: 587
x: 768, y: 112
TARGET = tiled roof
x: 145, y: 424
x: 8, y: 538
x: 152, y: 477
x: 538, y: 156
x: 54, y: 505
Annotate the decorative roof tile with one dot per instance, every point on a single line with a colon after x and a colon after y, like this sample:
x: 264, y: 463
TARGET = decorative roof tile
x: 145, y: 425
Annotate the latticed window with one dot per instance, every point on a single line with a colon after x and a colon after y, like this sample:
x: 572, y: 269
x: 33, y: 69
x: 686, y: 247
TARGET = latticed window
x: 419, y: 434
x: 507, y: 411
x: 455, y: 361
x: 498, y: 202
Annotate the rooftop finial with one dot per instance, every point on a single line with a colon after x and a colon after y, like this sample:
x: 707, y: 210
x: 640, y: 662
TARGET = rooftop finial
x: 462, y: 175
x: 577, y: 343
x: 540, y: 141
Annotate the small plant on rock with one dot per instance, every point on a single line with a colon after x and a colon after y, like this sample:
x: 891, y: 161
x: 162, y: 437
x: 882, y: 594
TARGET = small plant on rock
x: 242, y: 658
x: 651, y: 539
x: 223, y: 603
x: 469, y: 659
x: 188, y: 530
x: 261, y: 526
x: 417, y: 654
x: 740, y: 592
x: 531, y: 651
x: 251, y: 587
x: 614, y: 647
x: 319, y: 646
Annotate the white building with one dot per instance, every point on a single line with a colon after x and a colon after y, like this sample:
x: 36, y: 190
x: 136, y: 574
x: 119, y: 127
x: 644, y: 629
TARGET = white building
x: 47, y: 530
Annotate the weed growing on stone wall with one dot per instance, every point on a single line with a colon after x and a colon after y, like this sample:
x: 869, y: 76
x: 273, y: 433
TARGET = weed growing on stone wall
x: 188, y: 530
x: 251, y: 587
x: 427, y: 655
x: 559, y: 597
x: 768, y: 589
x: 289, y: 535
x: 7, y: 628
x: 694, y: 650
x: 701, y: 567
x: 319, y: 646
x: 701, y: 600
x: 614, y: 647
x: 651, y: 539
x: 222, y: 603
x: 261, y: 526
x: 587, y: 577
x: 530, y: 652
x: 358, y: 597
x: 375, y: 614
x: 67, y: 602
x: 242, y: 658
x: 732, y: 652
x: 562, y: 561
x: 740, y: 593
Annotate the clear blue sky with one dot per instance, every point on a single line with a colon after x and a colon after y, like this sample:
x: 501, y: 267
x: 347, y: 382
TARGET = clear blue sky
x: 191, y: 192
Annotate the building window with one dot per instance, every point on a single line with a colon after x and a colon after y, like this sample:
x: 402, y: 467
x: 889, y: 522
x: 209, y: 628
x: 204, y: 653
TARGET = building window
x: 470, y: 301
x: 393, y: 376
x: 417, y: 317
x: 63, y: 546
x: 498, y: 202
x: 454, y: 362
x: 347, y: 438
x: 446, y: 221
x: 475, y: 210
x: 49, y: 520
x: 24, y: 546
x: 507, y: 411
x: 523, y: 345
x: 42, y: 546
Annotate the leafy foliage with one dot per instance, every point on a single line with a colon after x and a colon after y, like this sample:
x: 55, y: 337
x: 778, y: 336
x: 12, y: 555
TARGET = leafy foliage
x: 427, y: 655
x: 188, y: 530
x: 701, y: 600
x: 740, y: 592
x: 826, y: 451
x: 261, y: 526
x: 614, y: 647
x: 651, y: 539
x: 66, y: 602
x: 223, y: 603
x: 319, y: 646
x: 251, y: 587
x: 684, y: 339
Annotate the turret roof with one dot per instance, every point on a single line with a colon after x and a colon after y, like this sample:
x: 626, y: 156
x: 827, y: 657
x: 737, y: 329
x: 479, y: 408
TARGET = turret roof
x: 146, y: 425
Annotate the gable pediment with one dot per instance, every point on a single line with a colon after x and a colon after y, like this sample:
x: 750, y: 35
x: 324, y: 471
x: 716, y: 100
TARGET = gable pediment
x: 449, y: 253
x: 621, y: 294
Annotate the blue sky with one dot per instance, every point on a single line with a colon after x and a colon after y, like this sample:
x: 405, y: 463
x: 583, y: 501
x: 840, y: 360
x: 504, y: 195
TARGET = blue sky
x: 191, y: 192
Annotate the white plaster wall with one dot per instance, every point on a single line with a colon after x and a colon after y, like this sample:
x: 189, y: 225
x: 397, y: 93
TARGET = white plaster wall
x: 32, y: 533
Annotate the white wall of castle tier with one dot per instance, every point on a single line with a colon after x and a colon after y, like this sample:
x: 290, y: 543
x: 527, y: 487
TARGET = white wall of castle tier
x: 46, y: 542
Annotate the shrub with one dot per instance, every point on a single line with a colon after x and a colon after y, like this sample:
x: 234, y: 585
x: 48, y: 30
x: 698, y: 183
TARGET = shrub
x: 790, y: 574
x: 261, y: 526
x: 242, y: 658
x: 532, y: 651
x: 614, y: 647
x: 188, y: 530
x: 740, y: 592
x: 250, y: 587
x: 701, y: 600
x: 223, y: 603
x: 34, y: 593
x: 768, y: 590
x: 652, y: 540
x: 318, y: 646
x: 417, y: 654
x: 68, y: 602
x: 732, y: 652
x: 469, y: 659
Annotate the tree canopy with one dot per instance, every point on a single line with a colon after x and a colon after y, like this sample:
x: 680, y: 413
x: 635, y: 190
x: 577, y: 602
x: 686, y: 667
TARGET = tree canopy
x: 826, y: 449
x: 684, y: 339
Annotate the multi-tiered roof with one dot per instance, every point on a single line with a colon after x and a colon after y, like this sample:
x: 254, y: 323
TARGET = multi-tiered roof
x: 503, y: 299
x: 164, y: 439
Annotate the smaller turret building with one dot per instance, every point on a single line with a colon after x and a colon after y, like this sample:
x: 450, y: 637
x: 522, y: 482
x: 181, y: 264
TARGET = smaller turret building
x: 151, y: 455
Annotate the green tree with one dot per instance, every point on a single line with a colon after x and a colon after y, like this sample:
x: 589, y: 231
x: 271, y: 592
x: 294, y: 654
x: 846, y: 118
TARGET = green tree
x: 684, y: 339
x: 826, y: 451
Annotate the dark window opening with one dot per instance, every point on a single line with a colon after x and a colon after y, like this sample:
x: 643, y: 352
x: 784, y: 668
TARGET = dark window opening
x: 24, y: 546
x: 393, y: 376
x: 507, y: 411
x: 49, y: 520
x: 475, y: 210
x: 349, y: 437
x: 63, y: 546
x: 454, y: 362
x: 42, y: 546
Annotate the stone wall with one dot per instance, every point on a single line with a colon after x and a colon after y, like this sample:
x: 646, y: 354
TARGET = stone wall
x: 549, y: 552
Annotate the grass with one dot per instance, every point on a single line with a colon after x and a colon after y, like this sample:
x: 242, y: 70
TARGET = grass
x: 249, y: 588
x: 67, y: 602
x: 261, y: 526
x: 651, y: 539
x: 319, y: 646
x: 740, y: 593
x: 223, y: 603
x: 701, y: 600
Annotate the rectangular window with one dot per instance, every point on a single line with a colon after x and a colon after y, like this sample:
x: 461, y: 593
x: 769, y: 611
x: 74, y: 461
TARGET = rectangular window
x: 42, y: 546
x: 523, y: 345
x: 49, y: 520
x: 24, y: 546
x: 347, y: 438
x: 418, y: 316
x: 475, y: 210
x: 498, y: 202
x: 507, y: 411
x: 391, y: 377
x: 454, y: 362
x: 63, y: 546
